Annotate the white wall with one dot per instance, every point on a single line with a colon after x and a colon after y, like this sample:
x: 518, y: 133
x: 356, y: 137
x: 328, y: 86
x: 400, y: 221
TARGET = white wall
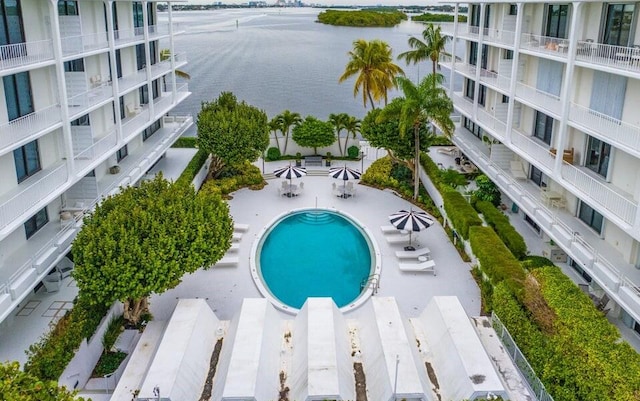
x: 35, y: 16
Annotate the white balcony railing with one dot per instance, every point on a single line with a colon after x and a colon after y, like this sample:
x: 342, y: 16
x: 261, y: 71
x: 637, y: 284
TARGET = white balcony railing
x: 26, y: 127
x: 78, y: 104
x: 611, y: 130
x: 123, y: 36
x: 619, y: 57
x: 95, y: 152
x: 30, y: 192
x: 161, y: 29
x: 132, y: 125
x: 500, y: 36
x: 545, y: 44
x: 132, y: 80
x: 497, y: 127
x: 463, y: 103
x: 73, y: 45
x: 164, y: 67
x: 603, y: 195
x: 547, y: 101
x: 533, y: 151
x: 494, y: 79
x: 22, y: 54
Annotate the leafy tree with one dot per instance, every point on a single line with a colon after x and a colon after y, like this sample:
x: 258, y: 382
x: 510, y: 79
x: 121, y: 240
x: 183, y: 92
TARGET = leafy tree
x: 143, y: 240
x: 352, y: 125
x: 17, y: 385
x: 373, y: 64
x: 487, y: 190
x: 232, y: 132
x: 274, y: 126
x: 339, y: 122
x: 431, y: 47
x: 313, y: 133
x: 287, y: 120
x: 421, y: 105
x: 453, y: 178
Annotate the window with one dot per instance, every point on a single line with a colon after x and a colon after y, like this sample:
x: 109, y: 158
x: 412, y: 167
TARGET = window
x: 543, y: 127
x: 143, y: 94
x: 470, y: 87
x: 505, y: 99
x: 74, y: 65
x: 17, y: 93
x: 153, y: 52
x: 141, y: 60
x: 82, y: 121
x: 472, y: 127
x: 36, y: 222
x: 507, y: 54
x: 513, y: 9
x: 151, y: 17
x: 474, y: 15
x: 155, y: 88
x: 473, y: 53
x: 123, y: 115
x: 557, y: 16
x: 532, y: 223
x: 598, y: 153
x: 482, y: 95
x: 11, y: 28
x: 122, y: 153
x: 538, y: 177
x: 138, y: 18
x: 580, y: 270
x: 146, y: 134
x: 27, y: 160
x: 118, y: 63
x: 66, y: 7
x: 608, y: 93
x: 618, y: 23
x: 590, y: 217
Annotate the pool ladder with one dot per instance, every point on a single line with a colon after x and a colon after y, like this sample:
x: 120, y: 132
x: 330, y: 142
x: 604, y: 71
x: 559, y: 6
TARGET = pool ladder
x: 373, y: 282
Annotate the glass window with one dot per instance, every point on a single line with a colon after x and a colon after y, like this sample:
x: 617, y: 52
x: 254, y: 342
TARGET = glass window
x: 470, y: 87
x: 123, y: 115
x: 507, y: 54
x: 11, y: 28
x: 82, y: 121
x: 138, y: 18
x: 537, y: 177
x: 474, y: 15
x: 27, y: 160
x: 36, y: 222
x: 119, y: 63
x: 153, y: 52
x: 513, y: 9
x: 543, y: 127
x: 505, y: 99
x: 151, y: 17
x: 619, y: 18
x: 557, y: 16
x: 122, y: 153
x: 17, y: 93
x: 472, y: 127
x: 155, y: 87
x: 66, y: 7
x: 473, y: 53
x: 146, y: 134
x: 598, y: 153
x: 141, y: 60
x: 482, y: 96
x: 143, y: 93
x: 590, y: 217
x: 74, y: 65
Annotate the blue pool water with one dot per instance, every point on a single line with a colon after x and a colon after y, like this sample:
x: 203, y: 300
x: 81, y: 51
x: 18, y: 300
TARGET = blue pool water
x: 314, y: 254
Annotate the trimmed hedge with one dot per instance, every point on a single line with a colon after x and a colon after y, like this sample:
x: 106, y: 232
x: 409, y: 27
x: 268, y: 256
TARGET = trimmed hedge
x: 535, y: 262
x: 193, y: 167
x: 246, y: 175
x: 460, y: 212
x: 273, y: 154
x: 185, y: 142
x: 500, y: 223
x: 496, y: 261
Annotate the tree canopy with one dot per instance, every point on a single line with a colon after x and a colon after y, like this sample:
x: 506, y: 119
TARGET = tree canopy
x: 377, y: 18
x: 143, y: 240
x: 314, y: 133
x: 431, y: 47
x: 17, y: 385
x: 232, y: 132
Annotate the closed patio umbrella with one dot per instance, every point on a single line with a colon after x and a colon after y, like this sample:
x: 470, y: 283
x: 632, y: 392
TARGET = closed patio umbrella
x: 412, y: 221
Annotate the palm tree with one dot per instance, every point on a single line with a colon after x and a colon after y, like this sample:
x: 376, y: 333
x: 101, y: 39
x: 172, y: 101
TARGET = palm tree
x: 338, y: 121
x: 431, y: 48
x: 287, y: 120
x: 422, y: 104
x: 373, y: 64
x: 352, y: 126
x: 274, y: 126
x: 165, y: 54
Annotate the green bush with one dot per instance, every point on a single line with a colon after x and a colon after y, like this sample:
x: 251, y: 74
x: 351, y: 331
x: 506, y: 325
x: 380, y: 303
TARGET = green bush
x: 487, y: 190
x: 460, y: 212
x: 535, y: 262
x: 108, y: 363
x: 379, y: 174
x: 353, y: 152
x: 441, y: 140
x: 496, y: 261
x: 273, y: 154
x: 115, y: 327
x: 500, y: 223
x: 185, y: 142
x: 193, y: 167
x: 234, y: 178
x: 385, y: 18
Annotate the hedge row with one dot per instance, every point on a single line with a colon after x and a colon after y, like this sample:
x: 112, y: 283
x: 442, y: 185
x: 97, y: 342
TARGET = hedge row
x: 500, y: 223
x: 194, y: 166
x: 246, y: 175
x: 462, y: 215
x: 185, y: 142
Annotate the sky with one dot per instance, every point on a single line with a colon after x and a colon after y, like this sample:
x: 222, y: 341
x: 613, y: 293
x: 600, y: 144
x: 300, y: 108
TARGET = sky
x: 329, y: 2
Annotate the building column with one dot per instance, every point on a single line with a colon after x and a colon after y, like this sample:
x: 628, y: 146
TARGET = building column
x: 476, y: 89
x: 147, y: 58
x: 514, y: 73
x: 174, y: 93
x: 453, y: 50
x: 114, y: 71
x: 62, y: 89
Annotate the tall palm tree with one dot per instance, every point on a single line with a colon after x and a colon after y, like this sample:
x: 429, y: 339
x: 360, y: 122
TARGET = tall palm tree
x: 352, y: 126
x: 274, y: 126
x: 421, y: 104
x: 338, y: 121
x: 287, y: 120
x: 431, y: 47
x: 165, y: 54
x: 373, y: 64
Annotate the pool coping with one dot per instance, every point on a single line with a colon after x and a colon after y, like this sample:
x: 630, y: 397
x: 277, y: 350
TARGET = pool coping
x: 265, y: 292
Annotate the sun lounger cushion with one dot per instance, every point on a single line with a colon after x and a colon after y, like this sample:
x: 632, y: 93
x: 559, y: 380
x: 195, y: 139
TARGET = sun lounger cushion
x: 236, y: 237
x: 389, y: 230
x: 240, y: 227
x: 397, y: 239
x: 413, y: 254
x: 228, y: 261
x: 428, y: 266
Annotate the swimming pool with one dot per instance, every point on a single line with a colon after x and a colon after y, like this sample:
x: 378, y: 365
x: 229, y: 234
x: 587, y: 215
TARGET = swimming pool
x: 314, y: 253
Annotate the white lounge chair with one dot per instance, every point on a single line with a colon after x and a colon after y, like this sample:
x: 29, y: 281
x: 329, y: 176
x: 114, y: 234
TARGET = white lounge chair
x: 239, y: 227
x: 228, y: 261
x: 452, y: 150
x: 132, y: 109
x: 397, y: 239
x: 517, y: 170
x: 390, y: 230
x: 235, y: 247
x: 236, y: 237
x: 426, y: 266
x: 414, y: 254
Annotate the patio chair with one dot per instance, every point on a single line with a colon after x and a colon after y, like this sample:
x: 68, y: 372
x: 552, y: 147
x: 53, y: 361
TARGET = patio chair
x: 132, y: 109
x: 397, y: 239
x: 426, y: 266
x: 390, y: 230
x: 236, y: 237
x: 228, y: 261
x: 52, y: 282
x: 65, y: 267
x: 239, y: 227
x: 335, y: 191
x: 350, y: 190
x: 414, y: 254
x: 450, y: 150
x: 297, y: 190
x: 517, y: 170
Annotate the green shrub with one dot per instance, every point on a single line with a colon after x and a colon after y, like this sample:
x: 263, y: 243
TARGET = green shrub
x: 452, y: 178
x: 234, y: 178
x: 185, y: 142
x: 379, y: 174
x: 193, y: 167
x: 108, y: 363
x: 496, y: 261
x: 402, y: 174
x: 535, y: 262
x: 115, y: 327
x: 273, y: 154
x: 487, y: 190
x: 353, y: 152
x: 500, y: 223
x: 460, y: 212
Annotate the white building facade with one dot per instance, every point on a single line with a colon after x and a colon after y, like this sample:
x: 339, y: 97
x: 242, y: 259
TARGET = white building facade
x: 550, y: 111
x: 87, y: 109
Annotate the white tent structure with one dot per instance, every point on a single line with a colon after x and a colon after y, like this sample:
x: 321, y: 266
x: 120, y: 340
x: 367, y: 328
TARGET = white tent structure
x: 322, y: 366
x: 463, y: 368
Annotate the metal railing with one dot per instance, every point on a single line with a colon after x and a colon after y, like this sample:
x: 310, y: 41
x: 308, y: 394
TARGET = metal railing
x: 493, y: 78
x: 491, y: 122
x: 547, y: 101
x: 529, y: 146
x: 24, y: 127
x: 95, y: 151
x: 21, y: 54
x: 463, y: 103
x: 545, y: 44
x: 536, y: 387
x: 72, y: 45
x: 127, y: 82
x: 77, y: 104
x: 499, y: 36
x: 621, y: 57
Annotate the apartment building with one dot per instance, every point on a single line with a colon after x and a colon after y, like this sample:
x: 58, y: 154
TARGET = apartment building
x: 88, y: 89
x: 550, y: 111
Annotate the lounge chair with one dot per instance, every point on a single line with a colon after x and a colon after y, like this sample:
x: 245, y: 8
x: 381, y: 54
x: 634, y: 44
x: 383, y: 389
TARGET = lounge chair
x: 390, y: 230
x: 236, y: 237
x: 239, y: 227
x: 413, y: 254
x: 517, y: 170
x: 427, y: 266
x: 228, y: 261
x: 452, y: 150
x: 235, y: 247
x: 397, y: 239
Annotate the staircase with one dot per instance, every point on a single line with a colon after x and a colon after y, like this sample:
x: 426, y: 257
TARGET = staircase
x: 310, y: 173
x: 316, y: 218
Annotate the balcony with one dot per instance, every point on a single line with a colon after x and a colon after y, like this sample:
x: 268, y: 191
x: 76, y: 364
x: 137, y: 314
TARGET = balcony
x: 599, y: 259
x: 25, y: 54
x: 163, y: 67
x: 618, y: 57
x: 80, y: 104
x: 159, y: 30
x: 128, y: 82
x: 30, y: 193
x: 27, y: 128
x: 463, y: 104
x: 499, y: 36
x: 495, y: 80
x: 492, y: 124
x: 77, y: 45
x: 86, y: 160
x: 556, y: 47
x: 547, y: 102
x: 124, y: 36
x: 611, y: 130
x: 533, y: 151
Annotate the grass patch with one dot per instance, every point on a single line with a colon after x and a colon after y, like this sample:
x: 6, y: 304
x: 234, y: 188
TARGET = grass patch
x: 108, y: 363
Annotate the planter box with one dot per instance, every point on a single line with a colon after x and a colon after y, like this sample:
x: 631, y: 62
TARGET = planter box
x: 114, y: 169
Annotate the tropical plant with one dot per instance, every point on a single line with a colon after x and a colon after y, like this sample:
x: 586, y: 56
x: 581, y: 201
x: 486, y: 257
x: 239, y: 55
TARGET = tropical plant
x: 431, y: 47
x: 313, y: 133
x: 353, y: 152
x: 273, y: 154
x: 165, y: 54
x: 17, y: 385
x: 232, y: 132
x: 143, y: 240
x: 352, y: 126
x: 373, y: 64
x: 421, y: 105
x: 287, y: 120
x: 453, y: 178
x: 487, y: 190
x: 275, y: 126
x: 339, y: 122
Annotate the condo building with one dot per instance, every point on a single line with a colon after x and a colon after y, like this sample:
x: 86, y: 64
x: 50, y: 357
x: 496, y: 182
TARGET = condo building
x: 550, y: 112
x: 88, y: 89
